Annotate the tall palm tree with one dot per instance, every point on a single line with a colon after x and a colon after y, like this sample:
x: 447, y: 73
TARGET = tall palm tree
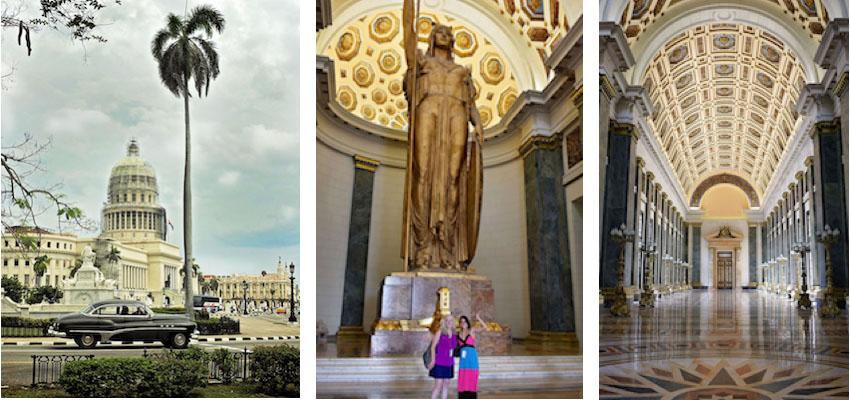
x: 184, y: 54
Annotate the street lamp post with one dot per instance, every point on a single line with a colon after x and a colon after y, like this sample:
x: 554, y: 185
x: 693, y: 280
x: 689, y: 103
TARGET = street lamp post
x: 292, y: 317
x: 245, y: 297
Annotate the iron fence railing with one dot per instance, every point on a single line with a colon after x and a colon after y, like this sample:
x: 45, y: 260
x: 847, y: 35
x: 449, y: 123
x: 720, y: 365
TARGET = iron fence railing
x: 216, y: 373
x: 47, y: 369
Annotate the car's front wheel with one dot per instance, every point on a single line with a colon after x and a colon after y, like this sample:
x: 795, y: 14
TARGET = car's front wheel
x: 86, y: 341
x: 179, y: 340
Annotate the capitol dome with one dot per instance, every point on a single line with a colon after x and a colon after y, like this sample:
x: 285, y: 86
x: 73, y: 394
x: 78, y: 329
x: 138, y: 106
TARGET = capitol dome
x: 132, y: 208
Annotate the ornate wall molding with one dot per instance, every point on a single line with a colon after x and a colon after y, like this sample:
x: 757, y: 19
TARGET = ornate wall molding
x: 711, y: 181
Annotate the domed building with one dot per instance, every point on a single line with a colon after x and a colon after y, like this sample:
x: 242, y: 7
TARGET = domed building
x: 132, y: 209
x: 146, y: 267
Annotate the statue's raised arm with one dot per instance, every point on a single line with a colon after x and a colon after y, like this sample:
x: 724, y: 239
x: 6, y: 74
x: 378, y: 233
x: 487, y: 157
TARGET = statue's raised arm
x: 408, y: 17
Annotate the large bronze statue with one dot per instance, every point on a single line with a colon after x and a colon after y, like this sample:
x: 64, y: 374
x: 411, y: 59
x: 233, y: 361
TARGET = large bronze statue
x: 442, y: 205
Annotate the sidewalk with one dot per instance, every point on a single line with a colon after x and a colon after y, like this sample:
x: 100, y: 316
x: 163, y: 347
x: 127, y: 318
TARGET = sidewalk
x: 253, y: 328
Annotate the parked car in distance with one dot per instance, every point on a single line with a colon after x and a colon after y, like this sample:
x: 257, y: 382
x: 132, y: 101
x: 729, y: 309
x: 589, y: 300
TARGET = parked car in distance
x: 120, y: 320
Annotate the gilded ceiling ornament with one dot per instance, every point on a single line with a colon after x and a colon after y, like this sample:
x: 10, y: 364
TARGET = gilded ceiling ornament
x: 724, y: 109
x: 765, y: 80
x: 486, y: 114
x: 684, y: 80
x: 363, y: 74
x: 724, y: 41
x: 395, y: 87
x: 389, y: 61
x: 368, y: 112
x: 691, y: 118
x: 724, y: 124
x: 689, y: 101
x: 757, y: 118
x: 678, y: 54
x: 725, y: 91
x: 770, y: 54
x: 347, y: 98
x: 760, y: 101
x: 492, y: 69
x: 383, y: 27
x: 724, y: 69
x: 348, y: 44
x: 379, y: 96
x: 466, y: 44
x: 506, y: 100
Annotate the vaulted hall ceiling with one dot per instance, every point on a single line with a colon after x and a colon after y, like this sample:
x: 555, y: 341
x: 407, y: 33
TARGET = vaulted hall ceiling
x: 811, y: 15
x: 723, y: 98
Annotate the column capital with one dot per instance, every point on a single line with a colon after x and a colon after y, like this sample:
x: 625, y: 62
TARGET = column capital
x: 540, y: 142
x: 791, y: 186
x: 625, y: 129
x: 825, y: 127
x: 658, y: 187
x: 368, y: 164
x: 640, y: 162
x: 799, y: 175
x: 650, y: 176
x: 663, y: 196
x: 810, y: 161
x: 578, y: 97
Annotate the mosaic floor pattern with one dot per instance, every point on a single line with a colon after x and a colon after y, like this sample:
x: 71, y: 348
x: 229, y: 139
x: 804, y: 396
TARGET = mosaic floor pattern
x: 727, y: 344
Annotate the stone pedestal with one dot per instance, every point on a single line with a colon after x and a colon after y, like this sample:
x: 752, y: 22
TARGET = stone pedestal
x: 409, y: 299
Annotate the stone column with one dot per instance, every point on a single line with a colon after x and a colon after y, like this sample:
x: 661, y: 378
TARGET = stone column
x: 551, y: 310
x: 618, y: 203
x: 696, y: 259
x: 353, y: 294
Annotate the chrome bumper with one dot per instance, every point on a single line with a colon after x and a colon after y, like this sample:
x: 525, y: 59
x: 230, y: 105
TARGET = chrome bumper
x: 195, y: 334
x: 53, y: 332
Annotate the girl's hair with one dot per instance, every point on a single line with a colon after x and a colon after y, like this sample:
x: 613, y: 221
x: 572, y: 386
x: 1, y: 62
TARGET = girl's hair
x: 463, y: 318
x: 432, y: 40
x: 444, y: 327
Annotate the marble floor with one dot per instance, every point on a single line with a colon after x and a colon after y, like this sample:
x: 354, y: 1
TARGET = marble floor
x: 723, y: 344
x: 345, y: 370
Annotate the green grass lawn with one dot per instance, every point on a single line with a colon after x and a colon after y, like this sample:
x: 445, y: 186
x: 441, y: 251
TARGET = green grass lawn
x: 238, y: 389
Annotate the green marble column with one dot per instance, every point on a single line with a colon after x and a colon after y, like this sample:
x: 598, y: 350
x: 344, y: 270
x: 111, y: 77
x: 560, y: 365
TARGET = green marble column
x: 549, y: 271
x: 353, y: 294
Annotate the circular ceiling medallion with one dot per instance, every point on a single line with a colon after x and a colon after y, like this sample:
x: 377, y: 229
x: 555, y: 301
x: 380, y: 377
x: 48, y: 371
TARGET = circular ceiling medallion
x: 383, y: 27
x: 724, y: 69
x: 425, y: 25
x: 465, y: 42
x: 348, y: 44
x: 368, y: 112
x: 764, y: 80
x: 486, y: 115
x: 347, y: 98
x: 684, y: 80
x: 492, y: 69
x: 363, y: 74
x: 724, y: 41
x: 384, y: 119
x: 379, y: 96
x: 678, y: 54
x: 724, y: 91
x: 401, y: 104
x: 389, y: 61
x: 506, y: 100
x: 395, y: 87
x: 770, y: 54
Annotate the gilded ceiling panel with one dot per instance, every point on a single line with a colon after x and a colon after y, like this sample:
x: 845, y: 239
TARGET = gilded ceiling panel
x: 723, y: 97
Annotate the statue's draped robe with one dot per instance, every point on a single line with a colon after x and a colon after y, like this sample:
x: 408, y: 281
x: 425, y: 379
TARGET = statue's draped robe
x: 432, y: 225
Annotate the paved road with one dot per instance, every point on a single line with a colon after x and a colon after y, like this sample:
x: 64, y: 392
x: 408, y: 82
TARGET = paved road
x: 17, y: 365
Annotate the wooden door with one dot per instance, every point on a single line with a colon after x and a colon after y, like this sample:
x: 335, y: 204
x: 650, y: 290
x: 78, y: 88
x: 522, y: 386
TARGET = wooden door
x: 725, y: 269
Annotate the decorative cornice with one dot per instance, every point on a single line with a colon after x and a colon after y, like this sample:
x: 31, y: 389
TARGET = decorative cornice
x: 841, y: 86
x: 618, y: 128
x: 368, y: 164
x: 825, y: 127
x: 810, y: 161
x: 540, y: 142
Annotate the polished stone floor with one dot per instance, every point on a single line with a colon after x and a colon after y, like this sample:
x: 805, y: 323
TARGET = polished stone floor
x: 345, y: 370
x: 723, y: 344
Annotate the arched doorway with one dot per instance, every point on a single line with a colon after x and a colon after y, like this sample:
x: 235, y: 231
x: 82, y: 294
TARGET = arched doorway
x: 724, y: 247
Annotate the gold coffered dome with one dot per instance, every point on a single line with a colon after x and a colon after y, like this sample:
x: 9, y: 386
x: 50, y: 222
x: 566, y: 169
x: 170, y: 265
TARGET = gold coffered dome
x: 723, y: 98
x: 370, y: 68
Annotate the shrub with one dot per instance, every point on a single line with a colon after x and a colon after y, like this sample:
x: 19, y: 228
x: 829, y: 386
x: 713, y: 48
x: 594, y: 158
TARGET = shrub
x: 277, y: 370
x: 168, y: 374
x: 226, y: 364
x: 41, y: 293
x: 14, y: 289
x: 215, y: 326
x: 26, y: 326
x: 202, y: 315
x: 107, y: 377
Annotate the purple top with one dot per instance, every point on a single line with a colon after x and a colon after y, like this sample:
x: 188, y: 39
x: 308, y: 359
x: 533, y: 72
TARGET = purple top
x: 444, y: 350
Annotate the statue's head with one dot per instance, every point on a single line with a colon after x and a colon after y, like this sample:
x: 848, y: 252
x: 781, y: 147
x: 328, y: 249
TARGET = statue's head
x: 441, y: 36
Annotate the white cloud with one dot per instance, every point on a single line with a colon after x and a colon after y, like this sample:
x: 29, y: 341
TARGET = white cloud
x: 229, y: 178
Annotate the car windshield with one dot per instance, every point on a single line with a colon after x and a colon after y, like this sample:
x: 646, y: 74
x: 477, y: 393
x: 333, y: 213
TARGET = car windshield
x: 88, y: 309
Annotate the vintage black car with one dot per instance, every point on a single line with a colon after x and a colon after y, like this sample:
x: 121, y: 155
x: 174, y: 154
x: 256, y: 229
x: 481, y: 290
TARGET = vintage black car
x: 124, y: 320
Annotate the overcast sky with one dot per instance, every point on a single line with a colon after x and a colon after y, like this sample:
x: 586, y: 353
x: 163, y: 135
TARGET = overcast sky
x: 93, y: 100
